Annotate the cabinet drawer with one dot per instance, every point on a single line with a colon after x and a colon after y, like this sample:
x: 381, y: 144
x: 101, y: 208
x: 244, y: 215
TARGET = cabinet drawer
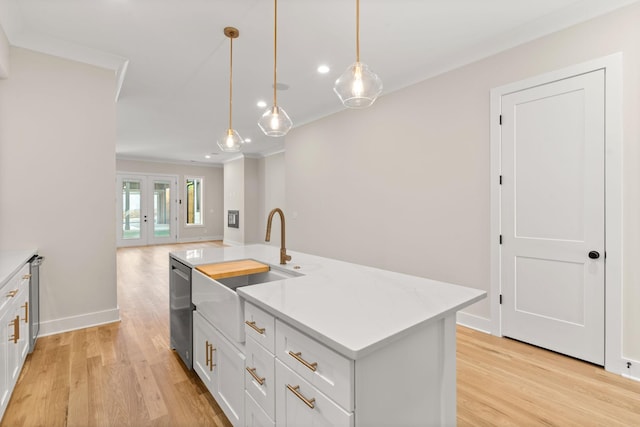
x: 254, y: 416
x: 325, y: 369
x: 300, y: 404
x: 261, y: 363
x: 15, y: 284
x: 259, y: 325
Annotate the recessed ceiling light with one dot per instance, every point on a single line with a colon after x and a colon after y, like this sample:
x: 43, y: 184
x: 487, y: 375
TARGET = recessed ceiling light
x: 247, y: 140
x: 207, y: 156
x: 261, y: 104
x: 323, y: 69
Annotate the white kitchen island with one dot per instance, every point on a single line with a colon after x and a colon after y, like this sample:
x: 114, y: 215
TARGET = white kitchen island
x: 349, y: 344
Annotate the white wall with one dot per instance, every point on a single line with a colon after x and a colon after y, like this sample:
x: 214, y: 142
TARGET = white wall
x: 57, y: 174
x: 272, y: 195
x: 242, y: 193
x: 251, y: 200
x: 404, y: 185
x: 4, y: 54
x: 234, y: 199
x: 214, y: 216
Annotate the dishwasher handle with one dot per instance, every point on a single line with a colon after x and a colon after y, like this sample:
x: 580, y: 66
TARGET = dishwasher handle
x: 180, y: 273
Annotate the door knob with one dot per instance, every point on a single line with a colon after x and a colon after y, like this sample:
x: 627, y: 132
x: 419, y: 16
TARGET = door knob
x: 594, y: 254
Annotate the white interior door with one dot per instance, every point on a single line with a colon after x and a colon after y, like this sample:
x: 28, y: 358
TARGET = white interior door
x: 147, y: 210
x: 552, y: 216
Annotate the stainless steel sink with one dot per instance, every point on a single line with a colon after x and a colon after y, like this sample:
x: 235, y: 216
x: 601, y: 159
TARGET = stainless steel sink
x: 255, y: 279
x: 219, y: 303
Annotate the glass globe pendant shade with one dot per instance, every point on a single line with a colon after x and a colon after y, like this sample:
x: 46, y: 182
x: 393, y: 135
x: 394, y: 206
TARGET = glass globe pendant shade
x: 230, y: 141
x: 358, y: 86
x: 275, y: 122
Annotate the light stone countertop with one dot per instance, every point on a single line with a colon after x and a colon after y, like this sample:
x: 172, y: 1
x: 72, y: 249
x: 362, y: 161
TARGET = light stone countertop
x: 352, y: 308
x: 11, y: 262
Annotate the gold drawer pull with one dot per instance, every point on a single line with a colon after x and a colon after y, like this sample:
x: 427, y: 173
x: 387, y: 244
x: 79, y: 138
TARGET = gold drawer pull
x: 252, y: 371
x: 26, y: 276
x: 16, y: 330
x: 298, y: 356
x: 26, y: 311
x: 254, y: 327
x: 12, y: 293
x: 299, y: 395
x: 209, y: 356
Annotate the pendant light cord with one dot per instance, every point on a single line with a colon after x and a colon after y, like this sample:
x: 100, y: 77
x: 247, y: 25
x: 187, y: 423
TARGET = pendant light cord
x: 275, y: 48
x: 357, y: 30
x: 230, y: 80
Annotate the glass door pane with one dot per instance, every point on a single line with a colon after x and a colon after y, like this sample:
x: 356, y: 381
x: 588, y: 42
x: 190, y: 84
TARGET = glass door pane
x: 161, y: 209
x: 146, y: 212
x: 131, y: 209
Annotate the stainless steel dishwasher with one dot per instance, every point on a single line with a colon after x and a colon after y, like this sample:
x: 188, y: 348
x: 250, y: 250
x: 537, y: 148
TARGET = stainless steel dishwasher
x: 34, y: 299
x: 181, y: 309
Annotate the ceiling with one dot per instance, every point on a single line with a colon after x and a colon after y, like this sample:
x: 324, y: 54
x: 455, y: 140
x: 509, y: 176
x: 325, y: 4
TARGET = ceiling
x: 172, y: 58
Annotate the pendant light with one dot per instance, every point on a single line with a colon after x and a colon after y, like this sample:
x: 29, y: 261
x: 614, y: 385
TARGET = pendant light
x: 358, y: 86
x: 230, y: 141
x: 275, y: 121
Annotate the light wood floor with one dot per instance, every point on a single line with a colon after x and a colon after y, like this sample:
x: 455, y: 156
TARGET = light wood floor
x: 124, y: 374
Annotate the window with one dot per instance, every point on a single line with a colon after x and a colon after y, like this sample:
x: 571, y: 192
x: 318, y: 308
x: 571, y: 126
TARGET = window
x: 194, y: 204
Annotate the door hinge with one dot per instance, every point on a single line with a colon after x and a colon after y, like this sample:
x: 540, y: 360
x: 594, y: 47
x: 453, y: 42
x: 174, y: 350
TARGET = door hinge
x: 501, y: 239
x: 500, y: 119
x: 500, y: 299
x: 500, y: 179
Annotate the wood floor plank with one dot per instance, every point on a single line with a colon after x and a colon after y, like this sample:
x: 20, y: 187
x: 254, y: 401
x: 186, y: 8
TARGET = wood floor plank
x: 125, y: 374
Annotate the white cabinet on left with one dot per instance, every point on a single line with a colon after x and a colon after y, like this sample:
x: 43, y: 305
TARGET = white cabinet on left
x: 220, y: 365
x: 14, y: 330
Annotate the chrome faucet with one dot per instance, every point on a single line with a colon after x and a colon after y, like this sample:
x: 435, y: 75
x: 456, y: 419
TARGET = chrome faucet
x: 283, y: 251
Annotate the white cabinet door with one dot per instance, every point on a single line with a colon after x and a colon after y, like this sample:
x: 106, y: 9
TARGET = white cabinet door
x: 22, y: 312
x: 6, y: 331
x: 203, y: 350
x: 220, y: 366
x: 228, y: 378
x: 18, y: 334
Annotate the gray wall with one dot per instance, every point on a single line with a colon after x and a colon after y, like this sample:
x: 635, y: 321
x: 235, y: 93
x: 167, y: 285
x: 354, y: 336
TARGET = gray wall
x: 272, y: 195
x: 57, y: 175
x: 404, y: 185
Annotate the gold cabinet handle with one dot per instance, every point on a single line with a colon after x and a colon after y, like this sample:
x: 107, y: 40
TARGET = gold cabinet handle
x: 252, y: 371
x: 210, y: 353
x: 254, y: 327
x: 295, y: 390
x: 298, y: 356
x: 26, y: 277
x: 16, y: 330
x: 12, y: 293
x: 26, y: 311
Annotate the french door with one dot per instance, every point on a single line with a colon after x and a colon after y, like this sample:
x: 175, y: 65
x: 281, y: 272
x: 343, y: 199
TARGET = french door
x: 146, y: 209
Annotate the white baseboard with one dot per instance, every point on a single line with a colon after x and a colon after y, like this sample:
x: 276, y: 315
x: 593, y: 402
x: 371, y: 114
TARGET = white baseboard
x: 232, y: 243
x: 199, y: 239
x: 66, y: 324
x: 474, y: 322
x: 631, y: 369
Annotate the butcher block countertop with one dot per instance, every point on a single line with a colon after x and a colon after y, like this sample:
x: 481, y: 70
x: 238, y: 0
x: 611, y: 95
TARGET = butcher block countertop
x: 233, y: 268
